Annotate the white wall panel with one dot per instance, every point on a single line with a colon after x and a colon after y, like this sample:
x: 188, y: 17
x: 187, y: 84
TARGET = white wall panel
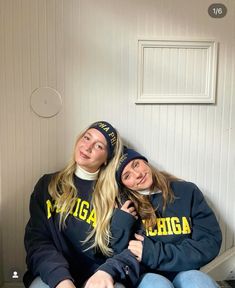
x: 171, y: 71
x: 88, y: 51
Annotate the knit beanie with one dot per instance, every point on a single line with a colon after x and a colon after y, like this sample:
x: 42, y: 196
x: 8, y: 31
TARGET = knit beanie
x: 127, y: 156
x: 109, y: 133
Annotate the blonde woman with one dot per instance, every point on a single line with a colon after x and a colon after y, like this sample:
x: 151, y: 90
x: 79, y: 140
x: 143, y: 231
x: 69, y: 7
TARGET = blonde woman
x: 180, y: 231
x: 67, y: 238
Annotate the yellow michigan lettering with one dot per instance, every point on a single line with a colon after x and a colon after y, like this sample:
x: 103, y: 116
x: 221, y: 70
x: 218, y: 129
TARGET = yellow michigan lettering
x: 169, y: 226
x: 50, y: 208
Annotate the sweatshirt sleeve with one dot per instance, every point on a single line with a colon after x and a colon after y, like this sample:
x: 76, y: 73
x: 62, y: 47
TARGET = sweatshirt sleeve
x: 123, y: 267
x: 191, y: 253
x: 122, y: 230
x: 43, y: 255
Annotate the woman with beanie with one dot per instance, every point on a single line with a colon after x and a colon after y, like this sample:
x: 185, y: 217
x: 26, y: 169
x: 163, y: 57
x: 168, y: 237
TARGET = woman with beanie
x: 67, y: 238
x: 181, y: 233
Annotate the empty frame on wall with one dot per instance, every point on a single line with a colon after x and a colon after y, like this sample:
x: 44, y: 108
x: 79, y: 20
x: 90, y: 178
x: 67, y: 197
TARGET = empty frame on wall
x: 173, y: 71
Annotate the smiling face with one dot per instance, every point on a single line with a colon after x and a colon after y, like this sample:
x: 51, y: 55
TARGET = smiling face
x: 137, y: 175
x: 91, y: 150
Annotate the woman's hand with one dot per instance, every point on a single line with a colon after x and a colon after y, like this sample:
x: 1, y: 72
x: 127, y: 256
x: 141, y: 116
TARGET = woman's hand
x: 66, y: 284
x: 136, y: 246
x: 129, y: 207
x: 100, y: 279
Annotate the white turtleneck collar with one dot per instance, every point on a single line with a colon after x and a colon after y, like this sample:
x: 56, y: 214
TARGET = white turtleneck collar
x: 85, y: 175
x: 148, y: 192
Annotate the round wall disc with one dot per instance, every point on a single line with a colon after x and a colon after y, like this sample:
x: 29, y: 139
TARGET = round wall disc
x: 46, y: 102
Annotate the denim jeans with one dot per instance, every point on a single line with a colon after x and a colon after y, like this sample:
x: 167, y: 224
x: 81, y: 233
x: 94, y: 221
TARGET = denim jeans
x: 38, y: 283
x: 185, y: 279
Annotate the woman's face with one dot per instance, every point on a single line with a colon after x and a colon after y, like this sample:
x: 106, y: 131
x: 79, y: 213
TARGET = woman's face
x: 91, y: 150
x: 137, y: 175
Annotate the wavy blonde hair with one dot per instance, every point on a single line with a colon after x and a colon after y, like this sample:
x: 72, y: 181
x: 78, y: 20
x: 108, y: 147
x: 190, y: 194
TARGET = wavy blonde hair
x: 64, y: 192
x: 161, y: 181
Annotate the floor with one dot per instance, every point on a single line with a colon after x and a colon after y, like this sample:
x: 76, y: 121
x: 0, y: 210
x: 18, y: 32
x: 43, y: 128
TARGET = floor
x: 227, y: 284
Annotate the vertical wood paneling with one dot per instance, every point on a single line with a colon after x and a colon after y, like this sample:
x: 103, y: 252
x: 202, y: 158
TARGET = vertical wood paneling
x: 2, y: 104
x: 2, y: 117
x: 227, y: 153
x: 231, y: 164
x: 88, y: 51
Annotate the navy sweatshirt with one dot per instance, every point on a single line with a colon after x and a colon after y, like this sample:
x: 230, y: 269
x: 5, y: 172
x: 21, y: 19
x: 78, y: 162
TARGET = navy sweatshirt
x: 187, y: 235
x: 55, y: 254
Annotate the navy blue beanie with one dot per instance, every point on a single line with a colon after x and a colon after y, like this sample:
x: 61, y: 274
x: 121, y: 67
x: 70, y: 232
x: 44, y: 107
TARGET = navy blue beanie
x: 109, y: 133
x: 127, y: 156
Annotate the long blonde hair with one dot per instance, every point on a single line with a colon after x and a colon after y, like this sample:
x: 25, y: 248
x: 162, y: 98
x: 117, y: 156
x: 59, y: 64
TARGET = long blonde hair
x: 64, y: 192
x: 161, y: 181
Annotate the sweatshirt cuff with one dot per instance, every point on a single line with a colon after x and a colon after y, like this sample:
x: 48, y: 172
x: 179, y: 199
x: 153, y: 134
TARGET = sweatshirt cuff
x: 122, y: 219
x: 55, y: 277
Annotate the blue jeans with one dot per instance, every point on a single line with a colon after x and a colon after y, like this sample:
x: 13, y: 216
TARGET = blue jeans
x: 38, y: 283
x: 185, y: 279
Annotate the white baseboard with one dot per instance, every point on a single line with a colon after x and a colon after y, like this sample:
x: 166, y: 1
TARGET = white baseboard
x: 222, y: 267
